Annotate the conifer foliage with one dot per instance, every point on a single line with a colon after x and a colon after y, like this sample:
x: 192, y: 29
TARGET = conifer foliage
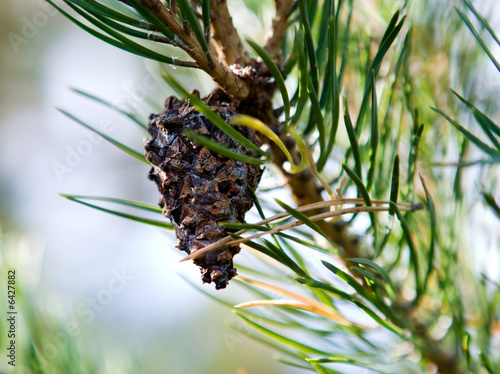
x: 334, y: 104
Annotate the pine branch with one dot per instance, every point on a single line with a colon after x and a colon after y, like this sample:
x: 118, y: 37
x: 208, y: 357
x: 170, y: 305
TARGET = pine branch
x: 376, y: 290
x: 226, y: 35
x: 284, y: 9
x: 231, y: 83
x: 306, y: 191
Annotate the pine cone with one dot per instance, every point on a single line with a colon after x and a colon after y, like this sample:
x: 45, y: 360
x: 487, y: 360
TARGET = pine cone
x: 200, y: 188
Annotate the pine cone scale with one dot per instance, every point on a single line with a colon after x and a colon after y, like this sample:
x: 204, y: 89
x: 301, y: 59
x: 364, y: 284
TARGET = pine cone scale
x: 200, y: 188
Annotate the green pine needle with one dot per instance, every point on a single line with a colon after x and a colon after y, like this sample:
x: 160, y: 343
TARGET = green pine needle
x: 112, y: 106
x: 147, y: 221
x: 123, y: 147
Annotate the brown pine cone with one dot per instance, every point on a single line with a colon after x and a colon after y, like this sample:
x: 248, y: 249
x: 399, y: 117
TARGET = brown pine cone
x: 201, y: 188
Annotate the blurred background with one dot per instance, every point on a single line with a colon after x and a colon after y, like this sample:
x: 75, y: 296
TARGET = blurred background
x: 105, y: 287
x: 117, y: 281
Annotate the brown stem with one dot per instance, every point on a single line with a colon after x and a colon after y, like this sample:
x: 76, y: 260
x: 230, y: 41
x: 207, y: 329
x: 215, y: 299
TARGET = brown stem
x: 231, y: 83
x: 160, y: 39
x: 303, y: 185
x: 280, y: 24
x: 147, y: 26
x: 173, y: 7
x: 305, y: 191
x: 226, y: 35
x: 446, y: 362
